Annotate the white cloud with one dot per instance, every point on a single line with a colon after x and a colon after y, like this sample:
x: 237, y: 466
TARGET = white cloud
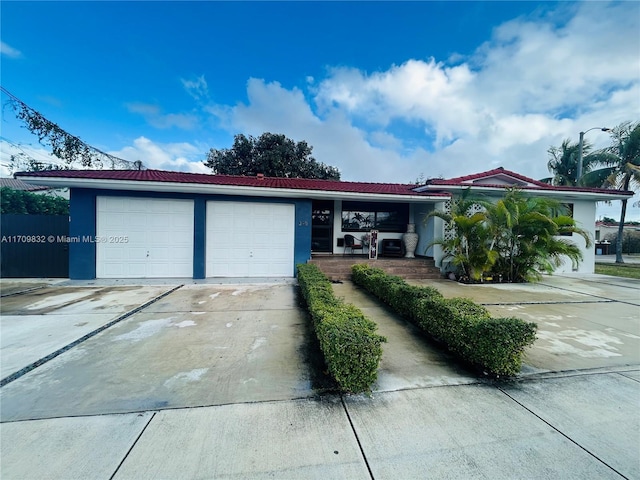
x: 154, y: 116
x: 9, y: 51
x: 429, y: 92
x: 538, y: 80
x: 537, y: 66
x: 197, y: 87
x: 183, y: 157
x: 335, y: 140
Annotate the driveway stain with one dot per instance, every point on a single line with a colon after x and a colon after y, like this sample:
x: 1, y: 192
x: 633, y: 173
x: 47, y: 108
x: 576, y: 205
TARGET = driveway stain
x: 182, y: 378
x: 185, y: 323
x: 598, y: 343
x: 51, y: 300
x: 145, y: 330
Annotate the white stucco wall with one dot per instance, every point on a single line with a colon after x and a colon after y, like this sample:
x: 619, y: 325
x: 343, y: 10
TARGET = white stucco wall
x: 424, y: 229
x: 584, y: 213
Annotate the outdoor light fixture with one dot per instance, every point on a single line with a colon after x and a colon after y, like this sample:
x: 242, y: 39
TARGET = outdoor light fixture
x: 580, y: 143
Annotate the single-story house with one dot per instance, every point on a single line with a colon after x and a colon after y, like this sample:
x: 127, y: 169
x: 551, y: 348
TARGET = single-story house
x: 151, y: 223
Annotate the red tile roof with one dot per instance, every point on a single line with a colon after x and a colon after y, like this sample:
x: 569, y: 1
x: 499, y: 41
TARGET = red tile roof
x: 469, y: 181
x: 488, y: 174
x: 231, y: 180
x: 430, y: 189
x: 16, y: 184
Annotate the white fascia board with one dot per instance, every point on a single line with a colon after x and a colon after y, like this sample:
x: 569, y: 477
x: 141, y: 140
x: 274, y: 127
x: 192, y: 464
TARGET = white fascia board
x: 559, y: 194
x: 213, y: 189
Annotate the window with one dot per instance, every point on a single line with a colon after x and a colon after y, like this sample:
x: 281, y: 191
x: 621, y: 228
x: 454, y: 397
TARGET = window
x: 365, y: 216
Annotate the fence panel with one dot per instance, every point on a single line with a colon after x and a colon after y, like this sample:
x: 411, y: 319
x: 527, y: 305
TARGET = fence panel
x: 34, y: 246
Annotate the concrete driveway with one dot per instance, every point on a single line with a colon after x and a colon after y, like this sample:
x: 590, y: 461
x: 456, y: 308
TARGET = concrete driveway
x: 592, y: 321
x: 215, y: 381
x: 198, y: 345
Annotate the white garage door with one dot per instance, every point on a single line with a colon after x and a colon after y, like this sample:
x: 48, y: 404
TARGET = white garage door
x: 144, y: 237
x: 250, y: 239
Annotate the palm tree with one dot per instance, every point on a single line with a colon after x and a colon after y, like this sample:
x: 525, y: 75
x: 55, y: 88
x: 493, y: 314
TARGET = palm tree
x: 621, y: 169
x: 516, y: 237
x: 563, y: 163
x: 527, y: 234
x: 468, y: 247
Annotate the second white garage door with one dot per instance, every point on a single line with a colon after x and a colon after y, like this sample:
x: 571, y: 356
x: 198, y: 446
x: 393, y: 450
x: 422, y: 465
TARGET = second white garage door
x: 247, y: 239
x: 144, y: 237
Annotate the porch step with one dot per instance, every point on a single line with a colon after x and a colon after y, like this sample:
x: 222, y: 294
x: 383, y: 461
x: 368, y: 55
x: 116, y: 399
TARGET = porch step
x: 338, y: 267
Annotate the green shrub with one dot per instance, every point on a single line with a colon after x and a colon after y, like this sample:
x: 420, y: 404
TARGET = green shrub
x: 20, y: 202
x: 466, y: 328
x: 498, y: 344
x: 351, y: 347
x: 406, y: 298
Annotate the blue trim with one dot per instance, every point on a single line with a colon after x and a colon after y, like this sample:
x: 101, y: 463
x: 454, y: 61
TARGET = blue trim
x: 302, y: 245
x: 82, y: 224
x: 199, y: 237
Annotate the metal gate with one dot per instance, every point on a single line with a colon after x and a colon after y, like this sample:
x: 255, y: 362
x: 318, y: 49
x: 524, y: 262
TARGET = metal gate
x: 34, y: 246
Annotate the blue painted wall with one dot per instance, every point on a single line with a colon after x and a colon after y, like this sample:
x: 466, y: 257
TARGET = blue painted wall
x: 82, y: 256
x: 199, y: 237
x: 82, y: 213
x: 302, y: 246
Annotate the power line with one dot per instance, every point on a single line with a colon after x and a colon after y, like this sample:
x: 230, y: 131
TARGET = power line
x: 62, y: 141
x: 44, y: 158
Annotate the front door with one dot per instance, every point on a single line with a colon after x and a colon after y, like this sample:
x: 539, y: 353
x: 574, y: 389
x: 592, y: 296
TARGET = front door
x: 322, y: 226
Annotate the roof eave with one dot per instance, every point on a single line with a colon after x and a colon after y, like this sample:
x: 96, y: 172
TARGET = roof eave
x: 215, y: 189
x: 585, y: 195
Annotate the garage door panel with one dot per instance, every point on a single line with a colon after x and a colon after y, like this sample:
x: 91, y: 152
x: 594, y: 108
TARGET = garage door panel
x: 247, y: 239
x: 159, y: 234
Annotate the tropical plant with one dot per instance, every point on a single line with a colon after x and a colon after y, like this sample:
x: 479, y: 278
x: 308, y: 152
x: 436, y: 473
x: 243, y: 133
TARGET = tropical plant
x: 516, y: 237
x: 468, y: 245
x: 620, y: 169
x: 529, y: 235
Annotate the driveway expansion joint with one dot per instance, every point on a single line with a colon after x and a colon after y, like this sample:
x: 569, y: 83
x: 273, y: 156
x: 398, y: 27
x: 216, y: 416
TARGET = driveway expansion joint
x: 355, y: 433
x: 21, y: 292
x: 562, y: 433
x: 16, y: 375
x: 132, y: 446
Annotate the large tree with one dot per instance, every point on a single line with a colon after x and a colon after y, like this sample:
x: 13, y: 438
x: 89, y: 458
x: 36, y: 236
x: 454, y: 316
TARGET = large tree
x: 620, y: 169
x: 272, y: 155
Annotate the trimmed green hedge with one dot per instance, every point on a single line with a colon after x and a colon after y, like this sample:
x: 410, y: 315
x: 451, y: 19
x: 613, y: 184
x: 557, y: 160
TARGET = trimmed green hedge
x: 351, y: 347
x: 466, y: 328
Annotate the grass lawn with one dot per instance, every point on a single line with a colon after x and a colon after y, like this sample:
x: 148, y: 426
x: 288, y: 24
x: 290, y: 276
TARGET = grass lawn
x: 627, y: 270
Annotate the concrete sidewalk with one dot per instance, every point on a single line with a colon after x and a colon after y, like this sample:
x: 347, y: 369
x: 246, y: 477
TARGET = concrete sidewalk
x: 574, y: 413
x: 583, y: 426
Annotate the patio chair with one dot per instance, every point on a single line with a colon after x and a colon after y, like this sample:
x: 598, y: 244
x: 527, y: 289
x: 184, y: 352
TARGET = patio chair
x: 351, y: 244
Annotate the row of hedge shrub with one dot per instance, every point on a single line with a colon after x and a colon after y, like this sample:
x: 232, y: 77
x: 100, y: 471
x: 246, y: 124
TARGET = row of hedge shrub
x: 467, y: 329
x: 351, y: 347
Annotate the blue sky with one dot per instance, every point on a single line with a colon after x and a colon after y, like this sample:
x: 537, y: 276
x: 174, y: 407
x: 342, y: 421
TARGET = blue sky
x: 385, y: 91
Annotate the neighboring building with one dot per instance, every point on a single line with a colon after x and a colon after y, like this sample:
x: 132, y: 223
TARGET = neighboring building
x: 17, y: 184
x: 150, y: 223
x: 604, y: 230
x: 606, y: 233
